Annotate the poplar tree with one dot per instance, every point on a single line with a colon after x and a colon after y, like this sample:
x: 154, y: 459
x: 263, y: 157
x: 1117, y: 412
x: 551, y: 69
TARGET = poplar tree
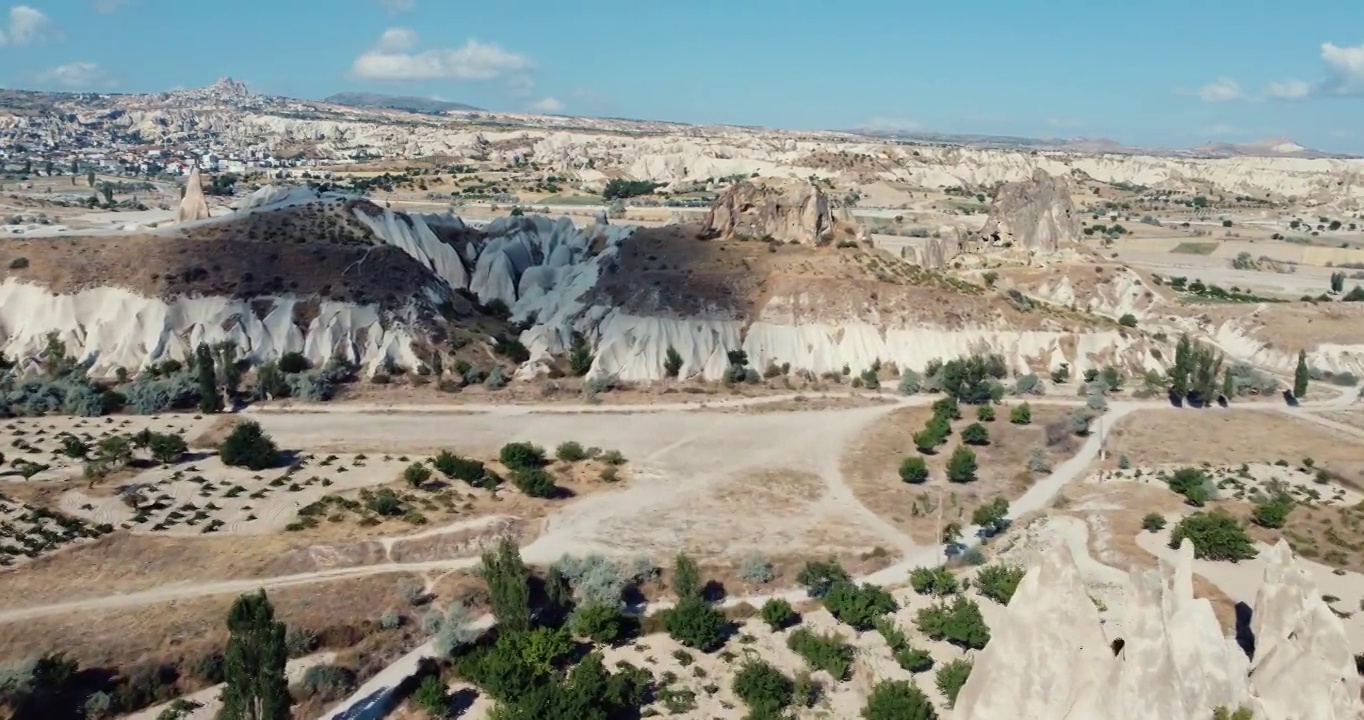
x: 209, y: 400
x: 1300, y: 376
x: 508, y: 587
x: 254, y: 686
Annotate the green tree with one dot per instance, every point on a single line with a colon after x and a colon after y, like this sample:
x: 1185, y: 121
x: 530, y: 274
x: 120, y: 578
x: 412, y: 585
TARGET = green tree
x: 778, y: 614
x: 961, y: 466
x: 167, y: 448
x: 1128, y: 320
x: 928, y: 439
x: 249, y: 447
x: 1153, y: 522
x: 1193, y: 483
x: 1273, y: 514
x: 209, y: 399
x: 991, y: 515
x: 108, y: 190
x: 764, y: 689
x: 951, y: 677
x: 579, y: 355
x: 416, y: 475
x: 985, y: 413
x: 1300, y: 376
x: 959, y: 623
x: 898, y: 700
x: 508, y: 586
x: 975, y: 434
x: 818, y: 576
x: 936, y: 581
x: 1215, y: 536
x: 1021, y: 414
x: 672, y: 362
x: 858, y: 606
x: 90, y: 178
x: 913, y: 470
x: 1179, y: 373
x: 686, y: 577
x: 999, y: 582
x: 598, y: 622
x: 253, y: 663
x: 694, y: 623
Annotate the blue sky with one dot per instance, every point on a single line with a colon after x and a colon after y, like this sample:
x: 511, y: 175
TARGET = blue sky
x: 1159, y: 73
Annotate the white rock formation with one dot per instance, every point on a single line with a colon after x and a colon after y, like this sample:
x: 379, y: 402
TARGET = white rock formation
x: 1036, y: 214
x: 1303, y: 665
x: 792, y: 212
x: 541, y: 268
x: 1049, y: 659
x: 193, y: 206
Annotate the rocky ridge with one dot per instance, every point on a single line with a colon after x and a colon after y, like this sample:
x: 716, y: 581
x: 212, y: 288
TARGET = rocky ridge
x: 793, y: 213
x: 549, y: 274
x: 1050, y: 658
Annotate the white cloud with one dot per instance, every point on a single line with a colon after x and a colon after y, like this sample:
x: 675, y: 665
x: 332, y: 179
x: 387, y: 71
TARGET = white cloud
x: 394, y: 59
x: 27, y: 26
x: 547, y: 105
x: 105, y: 7
x: 1343, y: 134
x: 78, y: 76
x: 396, y: 40
x: 1344, y: 69
x: 1065, y: 123
x: 885, y: 124
x: 1288, y: 90
x: 398, y: 6
x: 1223, y: 130
x: 1223, y: 90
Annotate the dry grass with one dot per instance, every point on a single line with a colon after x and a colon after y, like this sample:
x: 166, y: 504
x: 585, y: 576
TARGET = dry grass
x: 871, y: 467
x: 668, y: 270
x: 123, y: 562
x: 1172, y: 436
x: 181, y: 630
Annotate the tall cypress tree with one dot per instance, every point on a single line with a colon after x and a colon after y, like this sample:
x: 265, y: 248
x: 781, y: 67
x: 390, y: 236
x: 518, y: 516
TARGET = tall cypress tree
x: 1300, y: 376
x: 1179, y: 374
x: 254, y: 687
x: 209, y: 400
x: 508, y: 587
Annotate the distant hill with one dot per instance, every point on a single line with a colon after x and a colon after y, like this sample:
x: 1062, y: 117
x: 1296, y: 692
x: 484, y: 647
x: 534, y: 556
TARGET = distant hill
x: 425, y: 106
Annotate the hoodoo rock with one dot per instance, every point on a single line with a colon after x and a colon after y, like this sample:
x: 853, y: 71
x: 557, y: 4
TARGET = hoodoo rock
x: 1049, y: 658
x: 797, y: 212
x: 1035, y: 214
x: 193, y: 206
x: 1303, y: 667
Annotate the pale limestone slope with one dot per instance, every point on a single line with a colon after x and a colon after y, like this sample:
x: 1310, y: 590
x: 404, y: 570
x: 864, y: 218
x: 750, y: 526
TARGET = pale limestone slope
x: 1174, y: 663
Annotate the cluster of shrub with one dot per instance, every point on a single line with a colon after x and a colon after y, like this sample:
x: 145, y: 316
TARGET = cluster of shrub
x: 63, y: 385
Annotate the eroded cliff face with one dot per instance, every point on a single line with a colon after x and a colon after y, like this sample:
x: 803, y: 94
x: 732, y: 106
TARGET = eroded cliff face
x: 1034, y: 214
x: 550, y: 275
x: 1049, y: 658
x: 791, y: 212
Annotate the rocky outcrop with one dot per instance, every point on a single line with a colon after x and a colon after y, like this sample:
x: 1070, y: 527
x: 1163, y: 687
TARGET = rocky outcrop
x: 193, y: 206
x: 1053, y: 625
x: 1035, y: 214
x: 793, y: 212
x: 1303, y: 665
x: 1049, y: 659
